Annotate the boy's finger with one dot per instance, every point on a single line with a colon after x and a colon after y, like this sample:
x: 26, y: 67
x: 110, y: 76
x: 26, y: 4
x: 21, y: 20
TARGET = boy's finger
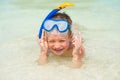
x: 43, y: 34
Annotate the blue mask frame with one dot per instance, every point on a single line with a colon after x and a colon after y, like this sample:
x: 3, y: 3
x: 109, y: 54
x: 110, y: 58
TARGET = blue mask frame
x: 60, y: 25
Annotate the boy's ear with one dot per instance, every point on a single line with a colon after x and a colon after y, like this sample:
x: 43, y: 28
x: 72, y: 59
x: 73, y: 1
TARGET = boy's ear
x: 71, y: 36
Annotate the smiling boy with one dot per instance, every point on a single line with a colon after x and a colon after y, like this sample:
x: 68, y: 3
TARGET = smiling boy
x: 57, y: 37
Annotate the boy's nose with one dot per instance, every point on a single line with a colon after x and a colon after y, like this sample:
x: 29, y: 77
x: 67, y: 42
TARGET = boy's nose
x: 56, y: 46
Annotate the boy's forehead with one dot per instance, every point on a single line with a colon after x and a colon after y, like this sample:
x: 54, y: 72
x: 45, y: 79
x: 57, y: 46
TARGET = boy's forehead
x: 57, y: 33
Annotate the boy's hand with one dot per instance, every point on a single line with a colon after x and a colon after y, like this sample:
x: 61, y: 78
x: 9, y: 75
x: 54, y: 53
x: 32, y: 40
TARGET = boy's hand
x: 43, y: 42
x: 77, y: 43
x: 44, y: 49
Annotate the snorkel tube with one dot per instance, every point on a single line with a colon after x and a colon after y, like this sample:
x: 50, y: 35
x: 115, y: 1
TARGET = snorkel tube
x: 53, y: 12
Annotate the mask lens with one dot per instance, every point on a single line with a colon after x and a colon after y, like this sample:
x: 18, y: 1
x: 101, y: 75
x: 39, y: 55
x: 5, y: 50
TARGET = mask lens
x: 62, y: 25
x: 48, y: 25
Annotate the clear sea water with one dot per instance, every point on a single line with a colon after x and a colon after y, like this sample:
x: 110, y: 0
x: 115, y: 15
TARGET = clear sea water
x: 98, y: 20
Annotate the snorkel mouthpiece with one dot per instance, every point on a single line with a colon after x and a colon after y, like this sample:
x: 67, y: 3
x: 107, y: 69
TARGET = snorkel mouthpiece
x: 64, y: 5
x: 52, y: 13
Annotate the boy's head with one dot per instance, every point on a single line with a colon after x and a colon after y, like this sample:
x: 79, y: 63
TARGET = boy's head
x: 58, y: 42
x: 62, y: 16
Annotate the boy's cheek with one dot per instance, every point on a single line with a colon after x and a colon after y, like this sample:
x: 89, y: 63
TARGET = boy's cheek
x: 49, y: 45
x: 66, y: 45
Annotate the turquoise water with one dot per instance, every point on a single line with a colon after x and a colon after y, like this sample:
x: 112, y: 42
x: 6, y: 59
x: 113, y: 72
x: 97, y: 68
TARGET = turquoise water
x: 98, y: 20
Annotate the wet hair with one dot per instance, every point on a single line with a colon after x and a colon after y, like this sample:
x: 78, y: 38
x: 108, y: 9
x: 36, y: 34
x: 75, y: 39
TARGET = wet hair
x: 64, y: 16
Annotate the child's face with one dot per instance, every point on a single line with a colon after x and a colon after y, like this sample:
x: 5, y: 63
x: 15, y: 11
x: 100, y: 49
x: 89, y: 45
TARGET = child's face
x: 58, y: 43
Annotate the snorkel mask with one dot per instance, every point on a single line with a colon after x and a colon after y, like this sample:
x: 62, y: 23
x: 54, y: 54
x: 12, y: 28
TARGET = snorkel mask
x: 61, y: 25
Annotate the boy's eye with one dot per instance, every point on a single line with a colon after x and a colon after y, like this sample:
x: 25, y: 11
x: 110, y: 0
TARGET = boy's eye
x: 62, y: 41
x: 51, y: 41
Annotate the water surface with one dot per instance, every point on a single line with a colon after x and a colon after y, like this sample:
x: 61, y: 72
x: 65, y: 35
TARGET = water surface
x: 98, y: 21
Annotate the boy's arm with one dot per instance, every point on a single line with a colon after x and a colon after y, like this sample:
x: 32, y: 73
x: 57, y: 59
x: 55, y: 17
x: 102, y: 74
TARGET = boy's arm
x: 78, y: 54
x: 44, y: 48
x: 43, y: 59
x: 78, y: 51
x: 77, y: 57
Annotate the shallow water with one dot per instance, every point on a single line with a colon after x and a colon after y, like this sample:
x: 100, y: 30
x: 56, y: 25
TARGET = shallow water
x: 19, y: 25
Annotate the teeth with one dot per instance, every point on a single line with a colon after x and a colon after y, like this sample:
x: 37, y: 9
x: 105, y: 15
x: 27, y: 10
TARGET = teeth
x: 58, y: 49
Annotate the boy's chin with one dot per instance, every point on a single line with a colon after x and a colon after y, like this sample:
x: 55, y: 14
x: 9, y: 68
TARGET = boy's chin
x: 58, y: 53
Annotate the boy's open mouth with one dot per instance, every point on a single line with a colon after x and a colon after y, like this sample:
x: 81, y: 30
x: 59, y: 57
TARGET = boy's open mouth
x: 58, y: 50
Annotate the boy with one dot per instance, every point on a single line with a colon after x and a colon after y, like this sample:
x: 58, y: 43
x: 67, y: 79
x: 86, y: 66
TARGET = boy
x: 58, y: 38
